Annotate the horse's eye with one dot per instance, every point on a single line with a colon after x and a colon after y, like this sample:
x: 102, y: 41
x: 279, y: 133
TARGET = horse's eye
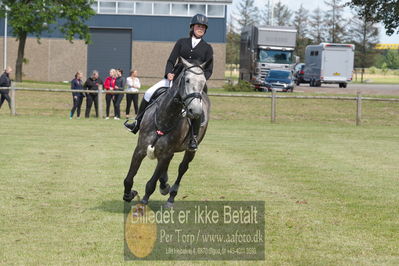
x: 187, y: 80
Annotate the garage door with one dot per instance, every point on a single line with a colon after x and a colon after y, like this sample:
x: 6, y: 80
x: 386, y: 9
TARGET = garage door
x: 110, y: 48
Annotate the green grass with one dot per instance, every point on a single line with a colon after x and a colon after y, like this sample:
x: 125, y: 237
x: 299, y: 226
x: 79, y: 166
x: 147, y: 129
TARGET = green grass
x: 378, y: 78
x: 330, y: 188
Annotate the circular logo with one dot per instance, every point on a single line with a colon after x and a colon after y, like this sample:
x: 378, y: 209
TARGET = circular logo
x: 141, y: 230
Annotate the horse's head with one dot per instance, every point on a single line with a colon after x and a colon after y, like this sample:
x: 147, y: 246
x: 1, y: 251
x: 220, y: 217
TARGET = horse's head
x: 191, y: 87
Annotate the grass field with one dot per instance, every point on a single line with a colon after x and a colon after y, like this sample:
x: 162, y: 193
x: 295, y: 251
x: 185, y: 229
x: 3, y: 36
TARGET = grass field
x: 331, y: 189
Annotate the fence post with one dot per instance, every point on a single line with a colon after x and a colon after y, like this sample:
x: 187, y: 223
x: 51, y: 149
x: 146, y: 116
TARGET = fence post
x: 273, y: 115
x: 359, y: 109
x: 100, y: 101
x: 13, y: 104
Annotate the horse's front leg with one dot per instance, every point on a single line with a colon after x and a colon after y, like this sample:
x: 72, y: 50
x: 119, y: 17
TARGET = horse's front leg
x: 137, y: 158
x: 163, y: 183
x: 183, y: 167
x: 162, y: 167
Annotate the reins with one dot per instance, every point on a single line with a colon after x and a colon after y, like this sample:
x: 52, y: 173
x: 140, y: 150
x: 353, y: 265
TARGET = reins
x: 181, y: 100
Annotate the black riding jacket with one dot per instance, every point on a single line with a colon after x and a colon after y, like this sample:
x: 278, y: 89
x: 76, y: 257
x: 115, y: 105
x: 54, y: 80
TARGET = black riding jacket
x: 201, y: 53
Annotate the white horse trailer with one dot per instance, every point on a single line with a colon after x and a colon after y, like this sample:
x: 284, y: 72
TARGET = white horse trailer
x: 329, y: 63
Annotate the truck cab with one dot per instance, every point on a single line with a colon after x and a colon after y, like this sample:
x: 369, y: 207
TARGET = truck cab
x: 263, y: 49
x: 273, y: 58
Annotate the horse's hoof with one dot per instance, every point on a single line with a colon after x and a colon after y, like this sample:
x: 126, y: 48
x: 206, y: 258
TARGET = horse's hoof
x: 165, y: 191
x: 128, y: 197
x: 168, y: 205
x: 144, y: 201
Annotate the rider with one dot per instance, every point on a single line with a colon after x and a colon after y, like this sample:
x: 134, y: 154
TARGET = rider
x: 193, y: 49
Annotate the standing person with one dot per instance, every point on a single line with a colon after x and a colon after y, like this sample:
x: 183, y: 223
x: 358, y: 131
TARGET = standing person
x: 92, y: 84
x: 76, y: 84
x: 120, y: 83
x: 193, y: 49
x: 133, y: 85
x: 109, y: 85
x: 5, y: 81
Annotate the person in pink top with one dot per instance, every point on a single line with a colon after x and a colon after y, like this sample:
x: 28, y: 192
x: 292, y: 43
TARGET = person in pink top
x: 109, y: 85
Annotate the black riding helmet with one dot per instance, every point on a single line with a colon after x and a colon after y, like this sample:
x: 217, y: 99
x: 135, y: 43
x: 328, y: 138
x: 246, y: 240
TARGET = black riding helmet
x: 199, y: 19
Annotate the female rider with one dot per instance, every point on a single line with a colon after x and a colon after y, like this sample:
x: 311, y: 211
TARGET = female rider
x: 193, y: 49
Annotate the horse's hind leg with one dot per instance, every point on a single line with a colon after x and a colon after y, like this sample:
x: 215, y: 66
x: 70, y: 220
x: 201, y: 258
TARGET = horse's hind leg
x: 137, y: 158
x: 183, y: 167
x: 163, y: 183
x: 162, y: 167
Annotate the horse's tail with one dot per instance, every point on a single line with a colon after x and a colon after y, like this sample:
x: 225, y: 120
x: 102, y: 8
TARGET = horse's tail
x: 151, y: 152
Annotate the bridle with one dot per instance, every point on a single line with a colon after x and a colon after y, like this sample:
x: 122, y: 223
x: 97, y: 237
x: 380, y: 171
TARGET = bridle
x: 182, y: 98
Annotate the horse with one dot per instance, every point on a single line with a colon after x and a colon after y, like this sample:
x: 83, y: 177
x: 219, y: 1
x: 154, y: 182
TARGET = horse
x: 165, y: 130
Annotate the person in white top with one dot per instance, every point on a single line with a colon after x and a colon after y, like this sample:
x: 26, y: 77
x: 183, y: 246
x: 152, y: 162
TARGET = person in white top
x: 133, y: 85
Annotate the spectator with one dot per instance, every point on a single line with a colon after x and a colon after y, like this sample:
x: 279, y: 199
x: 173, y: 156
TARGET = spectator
x: 76, y: 84
x: 5, y: 81
x: 119, y: 86
x: 133, y: 85
x: 92, y: 84
x: 109, y: 85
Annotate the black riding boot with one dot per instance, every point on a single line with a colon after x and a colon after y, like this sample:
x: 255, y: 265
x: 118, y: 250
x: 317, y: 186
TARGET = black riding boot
x: 135, y: 126
x: 195, y: 127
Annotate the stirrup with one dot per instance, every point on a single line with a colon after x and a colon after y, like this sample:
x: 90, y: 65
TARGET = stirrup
x: 131, y: 127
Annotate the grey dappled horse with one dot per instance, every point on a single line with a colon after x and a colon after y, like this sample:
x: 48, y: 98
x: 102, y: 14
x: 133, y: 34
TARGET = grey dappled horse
x: 165, y: 131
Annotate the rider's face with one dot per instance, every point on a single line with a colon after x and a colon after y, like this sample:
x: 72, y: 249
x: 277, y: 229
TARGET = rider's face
x: 199, y: 30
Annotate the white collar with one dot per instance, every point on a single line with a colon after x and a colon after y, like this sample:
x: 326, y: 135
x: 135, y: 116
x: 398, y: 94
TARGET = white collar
x: 194, y: 41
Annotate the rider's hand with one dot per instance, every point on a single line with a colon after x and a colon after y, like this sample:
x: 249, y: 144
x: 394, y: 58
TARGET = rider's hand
x: 170, y: 76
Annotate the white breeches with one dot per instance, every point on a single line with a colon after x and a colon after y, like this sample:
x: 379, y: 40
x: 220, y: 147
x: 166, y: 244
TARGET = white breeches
x: 163, y: 83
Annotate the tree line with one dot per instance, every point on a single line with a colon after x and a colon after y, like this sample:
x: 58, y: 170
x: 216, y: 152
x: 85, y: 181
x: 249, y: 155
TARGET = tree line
x: 328, y: 25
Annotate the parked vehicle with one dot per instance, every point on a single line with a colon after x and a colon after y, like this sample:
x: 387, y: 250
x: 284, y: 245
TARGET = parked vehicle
x: 329, y: 63
x: 263, y: 49
x: 280, y: 80
x: 299, y: 71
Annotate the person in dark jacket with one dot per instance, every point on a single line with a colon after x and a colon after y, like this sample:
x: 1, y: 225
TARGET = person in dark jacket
x: 92, y: 84
x: 5, y: 81
x: 76, y: 84
x: 193, y: 49
x: 119, y: 86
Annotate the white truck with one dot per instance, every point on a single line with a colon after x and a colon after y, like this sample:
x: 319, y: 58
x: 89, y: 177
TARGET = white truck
x: 265, y: 48
x: 329, y: 63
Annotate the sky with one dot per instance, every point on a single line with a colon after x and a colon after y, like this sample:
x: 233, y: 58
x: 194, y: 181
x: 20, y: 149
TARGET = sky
x: 313, y: 4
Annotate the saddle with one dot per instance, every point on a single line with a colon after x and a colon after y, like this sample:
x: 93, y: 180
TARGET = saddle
x: 157, y: 94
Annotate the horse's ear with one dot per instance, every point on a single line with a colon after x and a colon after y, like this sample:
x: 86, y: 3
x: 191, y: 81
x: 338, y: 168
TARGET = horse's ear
x: 205, y: 63
x: 185, y: 62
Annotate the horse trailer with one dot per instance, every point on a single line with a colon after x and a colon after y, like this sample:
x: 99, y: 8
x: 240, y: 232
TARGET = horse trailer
x: 329, y: 63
